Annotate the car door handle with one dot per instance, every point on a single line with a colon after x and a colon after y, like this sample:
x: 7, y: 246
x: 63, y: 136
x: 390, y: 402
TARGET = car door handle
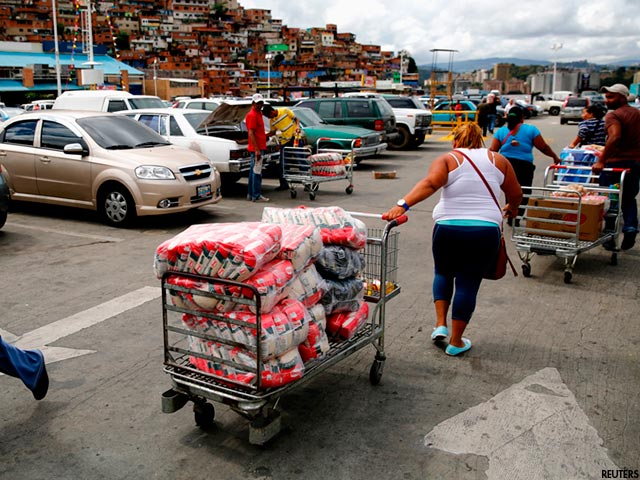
x: 45, y: 159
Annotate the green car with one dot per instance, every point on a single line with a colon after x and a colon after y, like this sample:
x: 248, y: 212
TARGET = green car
x: 364, y: 142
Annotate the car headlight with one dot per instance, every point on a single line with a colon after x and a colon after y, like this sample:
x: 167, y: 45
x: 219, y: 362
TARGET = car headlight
x: 151, y: 172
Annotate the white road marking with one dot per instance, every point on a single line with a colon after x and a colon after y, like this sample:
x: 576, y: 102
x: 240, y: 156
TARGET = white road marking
x: 532, y: 430
x: 43, y: 336
x: 101, y: 238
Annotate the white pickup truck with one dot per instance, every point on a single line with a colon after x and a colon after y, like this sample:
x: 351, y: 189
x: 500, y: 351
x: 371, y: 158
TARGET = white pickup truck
x: 548, y: 104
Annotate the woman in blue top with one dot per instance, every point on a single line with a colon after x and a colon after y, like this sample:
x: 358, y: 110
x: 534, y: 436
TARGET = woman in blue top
x: 515, y: 141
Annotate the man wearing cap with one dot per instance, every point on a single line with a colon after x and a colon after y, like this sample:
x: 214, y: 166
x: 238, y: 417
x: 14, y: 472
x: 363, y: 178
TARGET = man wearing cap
x: 284, y: 121
x: 257, y: 147
x: 622, y: 150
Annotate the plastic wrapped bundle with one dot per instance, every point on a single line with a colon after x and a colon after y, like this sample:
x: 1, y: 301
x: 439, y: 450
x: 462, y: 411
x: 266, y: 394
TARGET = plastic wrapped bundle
x: 271, y: 281
x: 300, y: 244
x: 337, y: 227
x: 343, y: 295
x: 316, y: 345
x: 234, y: 251
x: 318, y: 315
x: 308, y: 286
x: 284, y: 328
x: 345, y: 325
x: 329, y: 164
x: 281, y: 370
x: 338, y: 262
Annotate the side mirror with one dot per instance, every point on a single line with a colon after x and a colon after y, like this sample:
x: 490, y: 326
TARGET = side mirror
x: 74, y: 149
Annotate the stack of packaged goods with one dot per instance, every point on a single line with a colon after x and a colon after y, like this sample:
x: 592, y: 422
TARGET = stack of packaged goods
x: 329, y: 164
x: 339, y: 263
x: 251, y: 253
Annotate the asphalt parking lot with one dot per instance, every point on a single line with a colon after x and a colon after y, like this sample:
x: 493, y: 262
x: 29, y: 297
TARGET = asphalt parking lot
x: 550, y: 389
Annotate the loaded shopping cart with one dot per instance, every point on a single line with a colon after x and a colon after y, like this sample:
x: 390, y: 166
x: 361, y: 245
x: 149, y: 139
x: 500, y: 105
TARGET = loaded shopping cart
x: 212, y: 354
x: 329, y: 164
x: 568, y: 216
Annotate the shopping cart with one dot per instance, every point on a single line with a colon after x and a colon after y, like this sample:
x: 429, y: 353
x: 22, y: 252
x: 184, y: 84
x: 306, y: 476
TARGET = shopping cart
x: 329, y: 164
x: 568, y: 225
x: 252, y: 400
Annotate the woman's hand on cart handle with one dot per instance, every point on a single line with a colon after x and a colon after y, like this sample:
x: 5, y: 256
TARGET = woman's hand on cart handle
x: 398, y: 221
x: 394, y: 213
x: 509, y: 211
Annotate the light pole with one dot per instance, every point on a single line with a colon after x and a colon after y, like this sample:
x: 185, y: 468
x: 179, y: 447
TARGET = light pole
x: 55, y: 42
x: 555, y: 47
x: 268, y: 58
x: 155, y: 76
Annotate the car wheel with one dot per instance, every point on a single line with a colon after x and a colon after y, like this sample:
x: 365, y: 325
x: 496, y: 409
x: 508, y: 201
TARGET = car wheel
x: 403, y: 140
x: 562, y: 121
x: 554, y: 111
x: 3, y: 218
x: 116, y: 205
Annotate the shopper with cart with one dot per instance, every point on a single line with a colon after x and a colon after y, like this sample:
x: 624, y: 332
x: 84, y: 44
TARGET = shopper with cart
x: 467, y: 231
x: 27, y: 365
x: 286, y: 127
x: 622, y: 150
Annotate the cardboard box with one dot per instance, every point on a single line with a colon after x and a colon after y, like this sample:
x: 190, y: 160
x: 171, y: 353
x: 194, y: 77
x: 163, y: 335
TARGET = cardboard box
x: 591, y: 216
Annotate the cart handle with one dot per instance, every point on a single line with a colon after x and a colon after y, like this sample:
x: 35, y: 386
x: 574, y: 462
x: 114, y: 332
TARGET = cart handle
x: 566, y: 167
x: 391, y: 224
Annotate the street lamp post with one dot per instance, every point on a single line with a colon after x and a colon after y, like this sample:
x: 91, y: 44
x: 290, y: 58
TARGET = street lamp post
x: 555, y: 47
x: 155, y: 77
x: 56, y: 47
x: 268, y: 58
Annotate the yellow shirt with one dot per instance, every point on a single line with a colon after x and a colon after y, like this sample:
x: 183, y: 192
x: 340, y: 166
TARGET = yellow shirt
x: 285, y: 121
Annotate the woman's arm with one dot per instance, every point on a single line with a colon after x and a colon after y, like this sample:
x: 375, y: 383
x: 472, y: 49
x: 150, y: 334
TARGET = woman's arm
x: 495, y: 145
x: 436, y: 178
x: 541, y: 145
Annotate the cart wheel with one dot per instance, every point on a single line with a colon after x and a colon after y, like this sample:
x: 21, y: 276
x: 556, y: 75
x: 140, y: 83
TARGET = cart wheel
x: 614, y: 258
x: 567, y: 277
x: 293, y: 193
x: 312, y: 195
x: 349, y: 189
x: 204, y: 413
x: 375, y: 374
x: 526, y: 270
x: 315, y: 187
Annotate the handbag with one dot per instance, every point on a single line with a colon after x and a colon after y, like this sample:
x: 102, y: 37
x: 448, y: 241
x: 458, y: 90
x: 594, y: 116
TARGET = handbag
x: 499, y: 268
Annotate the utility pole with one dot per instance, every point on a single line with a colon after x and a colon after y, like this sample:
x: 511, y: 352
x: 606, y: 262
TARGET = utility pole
x: 555, y: 47
x: 55, y: 42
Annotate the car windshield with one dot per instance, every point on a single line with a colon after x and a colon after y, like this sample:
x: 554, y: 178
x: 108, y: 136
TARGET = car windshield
x: 119, y: 132
x: 406, y: 102
x: 307, y: 117
x: 146, y: 102
x: 577, y: 102
x: 384, y: 107
x: 196, y: 119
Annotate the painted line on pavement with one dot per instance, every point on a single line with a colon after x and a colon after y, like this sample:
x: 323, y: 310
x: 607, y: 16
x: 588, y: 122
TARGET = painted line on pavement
x: 101, y: 238
x: 533, y: 430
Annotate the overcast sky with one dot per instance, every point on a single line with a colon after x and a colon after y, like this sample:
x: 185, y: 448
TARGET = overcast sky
x: 600, y: 31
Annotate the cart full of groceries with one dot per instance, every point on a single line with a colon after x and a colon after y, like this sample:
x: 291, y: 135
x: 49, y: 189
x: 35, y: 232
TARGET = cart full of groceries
x: 329, y: 163
x: 253, y: 310
x: 570, y: 214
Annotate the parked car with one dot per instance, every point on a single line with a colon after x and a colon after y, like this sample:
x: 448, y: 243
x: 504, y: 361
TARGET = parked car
x: 38, y: 105
x: 412, y: 119
x: 102, y: 162
x: 548, y: 104
x: 4, y: 199
x: 225, y: 145
x: 7, y: 112
x: 572, y: 109
x: 208, y: 104
x: 367, y: 143
x: 443, y: 113
x: 105, y: 101
x: 371, y: 113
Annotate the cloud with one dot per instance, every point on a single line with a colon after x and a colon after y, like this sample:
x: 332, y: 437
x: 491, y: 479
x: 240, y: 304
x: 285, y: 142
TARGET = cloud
x: 587, y: 29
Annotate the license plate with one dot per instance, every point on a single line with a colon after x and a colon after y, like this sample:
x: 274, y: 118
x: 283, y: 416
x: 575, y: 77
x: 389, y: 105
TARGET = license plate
x: 203, y: 190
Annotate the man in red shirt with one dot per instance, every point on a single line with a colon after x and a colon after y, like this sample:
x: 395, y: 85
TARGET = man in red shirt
x: 622, y: 150
x: 257, y: 147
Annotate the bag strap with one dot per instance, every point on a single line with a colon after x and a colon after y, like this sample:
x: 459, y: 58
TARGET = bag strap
x: 504, y: 140
x: 486, y: 184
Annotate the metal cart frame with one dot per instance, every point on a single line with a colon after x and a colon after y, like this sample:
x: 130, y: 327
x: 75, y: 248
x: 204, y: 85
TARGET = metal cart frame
x: 561, y: 237
x: 252, y: 401
x: 297, y: 167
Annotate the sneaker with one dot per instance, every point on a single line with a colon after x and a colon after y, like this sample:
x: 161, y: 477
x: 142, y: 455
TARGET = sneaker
x: 261, y: 198
x: 628, y: 240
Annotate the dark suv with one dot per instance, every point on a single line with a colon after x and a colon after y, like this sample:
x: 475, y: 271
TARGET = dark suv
x: 372, y: 113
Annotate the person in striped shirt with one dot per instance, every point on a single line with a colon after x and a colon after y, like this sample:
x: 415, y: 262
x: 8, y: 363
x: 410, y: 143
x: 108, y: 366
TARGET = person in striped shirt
x: 591, y: 129
x: 286, y: 126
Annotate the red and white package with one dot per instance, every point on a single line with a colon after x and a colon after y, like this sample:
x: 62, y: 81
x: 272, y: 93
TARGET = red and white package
x: 344, y: 325
x: 316, y: 345
x: 233, y: 251
x: 336, y: 226
x: 308, y: 286
x: 300, y: 244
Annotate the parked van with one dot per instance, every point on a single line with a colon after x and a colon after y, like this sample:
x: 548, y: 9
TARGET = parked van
x: 105, y: 101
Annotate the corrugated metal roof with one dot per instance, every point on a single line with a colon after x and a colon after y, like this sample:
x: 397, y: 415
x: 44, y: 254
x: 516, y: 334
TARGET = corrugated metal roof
x: 109, y: 65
